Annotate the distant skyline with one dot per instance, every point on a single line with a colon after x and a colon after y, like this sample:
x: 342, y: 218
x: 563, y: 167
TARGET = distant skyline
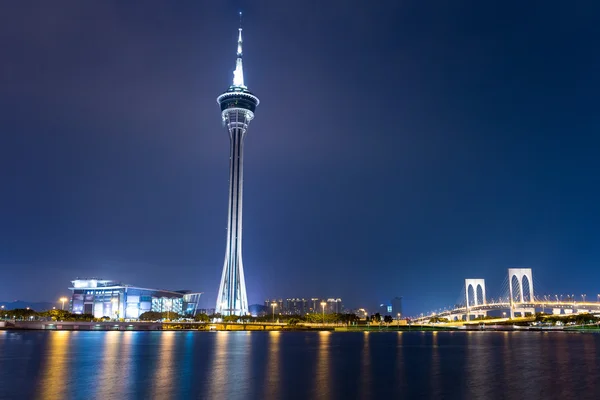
x: 401, y: 147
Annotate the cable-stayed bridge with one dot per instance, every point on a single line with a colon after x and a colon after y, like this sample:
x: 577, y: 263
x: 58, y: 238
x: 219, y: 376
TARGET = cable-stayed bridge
x: 518, y: 299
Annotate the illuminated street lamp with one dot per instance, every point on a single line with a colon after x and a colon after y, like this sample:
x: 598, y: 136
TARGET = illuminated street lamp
x: 62, y: 300
x: 273, y: 304
x: 583, y: 297
x: 323, y: 304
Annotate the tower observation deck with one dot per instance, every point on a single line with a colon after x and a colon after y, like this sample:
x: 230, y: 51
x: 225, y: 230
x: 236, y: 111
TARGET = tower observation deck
x: 237, y: 110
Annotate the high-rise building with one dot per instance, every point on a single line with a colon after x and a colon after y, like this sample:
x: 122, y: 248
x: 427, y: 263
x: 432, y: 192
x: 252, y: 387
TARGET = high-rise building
x: 315, y: 305
x: 279, y: 305
x: 237, y: 110
x: 397, y: 307
x: 334, y: 306
x: 295, y: 306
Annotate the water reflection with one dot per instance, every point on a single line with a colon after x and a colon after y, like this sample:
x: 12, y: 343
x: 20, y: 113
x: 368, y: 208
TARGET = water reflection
x: 272, y: 384
x: 590, y: 352
x: 110, y: 380
x: 435, y: 373
x: 400, y: 368
x: 166, y: 370
x: 477, y: 365
x: 232, y: 365
x: 322, y: 379
x: 365, y: 370
x: 218, y: 378
x: 56, y: 369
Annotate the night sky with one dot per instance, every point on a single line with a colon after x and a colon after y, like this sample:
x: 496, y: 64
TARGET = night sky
x: 399, y: 147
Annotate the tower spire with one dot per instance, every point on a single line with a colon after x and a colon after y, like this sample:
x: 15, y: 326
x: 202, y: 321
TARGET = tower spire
x: 238, y: 74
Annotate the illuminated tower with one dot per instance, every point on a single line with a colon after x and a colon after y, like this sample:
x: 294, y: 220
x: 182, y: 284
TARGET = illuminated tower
x: 237, y: 110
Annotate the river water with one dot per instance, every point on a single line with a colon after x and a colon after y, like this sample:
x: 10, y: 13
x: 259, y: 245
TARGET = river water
x: 298, y: 365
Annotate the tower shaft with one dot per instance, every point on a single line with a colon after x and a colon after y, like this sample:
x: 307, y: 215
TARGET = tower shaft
x: 232, y: 298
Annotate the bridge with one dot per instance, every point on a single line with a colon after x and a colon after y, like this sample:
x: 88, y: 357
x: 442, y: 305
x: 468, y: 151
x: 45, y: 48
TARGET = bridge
x: 520, y: 301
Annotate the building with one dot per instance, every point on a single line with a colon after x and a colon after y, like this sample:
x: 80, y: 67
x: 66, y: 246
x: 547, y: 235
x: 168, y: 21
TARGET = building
x: 334, y: 306
x: 301, y: 306
x: 237, y: 110
x: 191, y: 302
x: 314, y: 305
x: 105, y: 298
x: 278, y: 305
x: 397, y: 307
x: 295, y: 306
x: 385, y: 309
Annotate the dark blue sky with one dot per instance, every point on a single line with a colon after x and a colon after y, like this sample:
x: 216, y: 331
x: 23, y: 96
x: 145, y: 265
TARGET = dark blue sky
x: 400, y: 146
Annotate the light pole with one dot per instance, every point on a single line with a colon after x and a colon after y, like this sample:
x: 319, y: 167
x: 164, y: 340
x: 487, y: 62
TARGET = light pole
x: 273, y: 304
x: 62, y: 300
x: 323, y: 304
x: 583, y: 297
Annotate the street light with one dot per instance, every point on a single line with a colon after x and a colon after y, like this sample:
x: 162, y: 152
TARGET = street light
x: 583, y: 297
x: 62, y: 300
x: 323, y: 304
x: 273, y: 304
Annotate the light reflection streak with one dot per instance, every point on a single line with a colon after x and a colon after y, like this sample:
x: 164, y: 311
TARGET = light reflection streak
x: 365, y: 375
x: 272, y: 378
x: 477, y: 361
x: 435, y: 366
x: 563, y: 366
x: 322, y: 381
x: 166, y: 368
x: 52, y: 383
x: 108, y: 374
x: 126, y: 365
x: 400, y: 373
x: 219, y: 370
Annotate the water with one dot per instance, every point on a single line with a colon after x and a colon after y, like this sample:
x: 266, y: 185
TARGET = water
x: 297, y: 365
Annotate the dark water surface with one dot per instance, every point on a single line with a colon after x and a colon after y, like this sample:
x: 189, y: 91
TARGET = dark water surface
x: 296, y: 365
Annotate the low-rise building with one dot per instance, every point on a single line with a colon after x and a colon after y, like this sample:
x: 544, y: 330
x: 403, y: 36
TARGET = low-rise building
x: 106, y: 298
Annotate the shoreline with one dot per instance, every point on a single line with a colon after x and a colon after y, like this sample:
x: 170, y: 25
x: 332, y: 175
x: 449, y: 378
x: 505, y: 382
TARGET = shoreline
x: 268, y: 327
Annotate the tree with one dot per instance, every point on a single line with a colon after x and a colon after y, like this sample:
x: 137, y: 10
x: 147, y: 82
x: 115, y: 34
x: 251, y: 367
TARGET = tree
x: 201, y: 318
x: 170, y: 315
x: 150, y: 316
x: 231, y: 318
x: 388, y: 319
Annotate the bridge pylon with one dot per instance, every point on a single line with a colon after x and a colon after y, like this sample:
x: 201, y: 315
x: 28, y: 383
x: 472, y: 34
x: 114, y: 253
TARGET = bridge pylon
x: 521, y: 274
x: 475, y: 284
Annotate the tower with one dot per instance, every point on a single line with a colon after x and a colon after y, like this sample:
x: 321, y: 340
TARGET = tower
x: 237, y: 110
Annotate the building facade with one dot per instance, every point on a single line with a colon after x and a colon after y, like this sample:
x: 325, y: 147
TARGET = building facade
x: 105, y: 298
x: 301, y: 306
